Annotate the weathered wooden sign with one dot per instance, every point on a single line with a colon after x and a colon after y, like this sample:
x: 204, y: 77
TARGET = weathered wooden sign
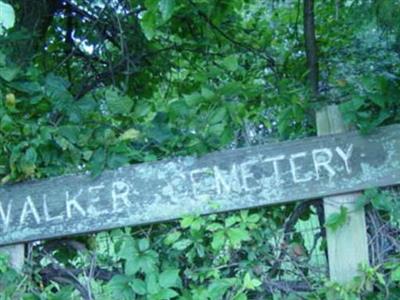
x: 222, y: 181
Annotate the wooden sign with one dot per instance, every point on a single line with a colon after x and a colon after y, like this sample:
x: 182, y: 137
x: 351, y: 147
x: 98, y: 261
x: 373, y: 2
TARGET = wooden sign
x: 221, y: 181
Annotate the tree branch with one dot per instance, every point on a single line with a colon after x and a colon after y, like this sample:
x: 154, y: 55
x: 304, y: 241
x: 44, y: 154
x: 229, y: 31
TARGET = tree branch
x: 311, y: 47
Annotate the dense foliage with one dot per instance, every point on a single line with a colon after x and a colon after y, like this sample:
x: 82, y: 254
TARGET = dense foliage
x: 91, y: 85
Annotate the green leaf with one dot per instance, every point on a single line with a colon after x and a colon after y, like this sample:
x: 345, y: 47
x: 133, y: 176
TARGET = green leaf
x: 143, y: 244
x: 6, y: 123
x: 395, y: 274
x: 148, y: 261
x: 56, y: 88
x: 28, y: 161
x: 231, y: 63
x: 98, y: 161
x: 166, y: 294
x: 116, y: 103
x: 27, y: 87
x: 380, y: 278
x: 237, y: 235
x: 172, y: 238
x: 337, y: 220
x: 218, y: 115
x: 169, y: 278
x: 240, y: 296
x: 149, y: 24
x: 129, y: 135
x: 119, y: 288
x: 70, y: 132
x: 138, y: 286
x: 152, y: 285
x: 9, y: 74
x: 231, y: 89
x: 166, y: 8
x: 116, y: 160
x: 218, y: 240
x: 187, y: 221
x: 54, y: 83
x: 231, y: 220
x: 207, y: 93
x: 250, y: 283
x: 218, y: 287
x: 128, y: 247
x: 182, y: 244
x: 132, y: 265
x: 253, y: 218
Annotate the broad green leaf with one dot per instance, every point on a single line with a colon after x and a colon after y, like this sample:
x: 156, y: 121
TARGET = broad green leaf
x: 218, y: 115
x: 8, y: 73
x: 395, y: 275
x: 54, y: 83
x: 218, y: 240
x: 56, y: 88
x: 207, y: 93
x: 172, y: 237
x: 28, y: 161
x: 119, y: 288
x: 132, y: 265
x: 231, y: 63
x: 182, y: 244
x: 26, y: 87
x: 231, y: 89
x: 116, y: 160
x: 187, y: 221
x: 149, y: 24
x: 337, y: 220
x: 128, y: 248
x: 118, y: 104
x: 218, y: 287
x: 240, y: 296
x: 165, y: 294
x: 70, y: 132
x: 152, y: 285
x: 169, y: 278
x: 98, y: 161
x: 250, y: 283
x: 6, y: 123
x: 237, y: 235
x: 143, y: 245
x: 138, y: 286
x: 166, y: 8
x: 148, y: 261
x: 129, y: 135
x: 231, y: 220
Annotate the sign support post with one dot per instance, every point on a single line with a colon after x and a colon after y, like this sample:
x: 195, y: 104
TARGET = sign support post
x: 348, y: 245
x: 16, y: 254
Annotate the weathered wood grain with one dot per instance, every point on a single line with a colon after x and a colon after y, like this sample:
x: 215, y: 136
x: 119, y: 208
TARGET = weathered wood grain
x: 222, y: 181
x: 348, y: 245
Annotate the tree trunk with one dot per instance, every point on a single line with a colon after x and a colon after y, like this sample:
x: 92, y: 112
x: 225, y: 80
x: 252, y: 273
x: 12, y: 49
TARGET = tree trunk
x: 311, y: 46
x: 34, y: 17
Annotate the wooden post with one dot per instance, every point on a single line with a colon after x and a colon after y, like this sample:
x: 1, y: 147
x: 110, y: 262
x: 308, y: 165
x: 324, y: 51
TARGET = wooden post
x: 16, y: 254
x: 348, y: 245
